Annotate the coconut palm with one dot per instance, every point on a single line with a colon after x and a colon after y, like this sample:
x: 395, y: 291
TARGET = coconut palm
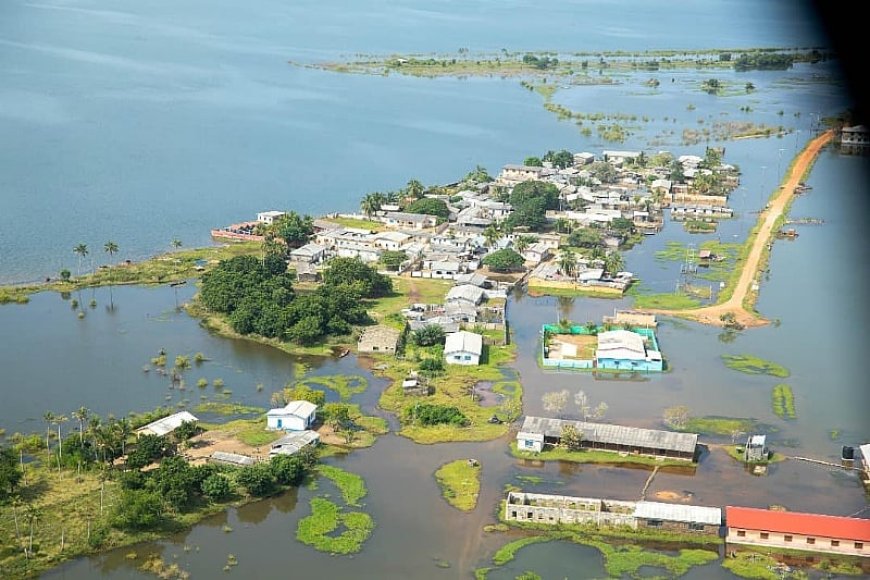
x: 81, y: 250
x: 491, y: 235
x: 414, y: 189
x: 523, y: 242
x: 614, y: 263
x: 110, y: 248
x: 49, y: 418
x: 81, y: 415
x: 60, y: 420
x: 563, y: 226
x: 176, y: 243
x: 371, y: 204
x: 567, y: 262
x: 123, y: 429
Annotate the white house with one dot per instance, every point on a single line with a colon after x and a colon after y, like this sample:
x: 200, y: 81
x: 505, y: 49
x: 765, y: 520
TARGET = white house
x: 308, y: 254
x: 392, y: 241
x: 536, y: 253
x: 412, y: 221
x: 166, y: 425
x: 467, y: 293
x: 622, y: 344
x: 463, y: 348
x: 520, y: 173
x: 530, y: 441
x: 295, y: 416
x: 269, y: 217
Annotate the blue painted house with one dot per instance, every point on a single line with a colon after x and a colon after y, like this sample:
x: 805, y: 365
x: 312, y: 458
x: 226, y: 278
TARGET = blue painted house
x: 628, y: 350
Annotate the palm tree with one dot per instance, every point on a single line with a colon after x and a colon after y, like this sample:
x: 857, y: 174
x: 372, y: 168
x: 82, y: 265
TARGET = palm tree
x: 613, y: 263
x: 563, y: 225
x: 110, y: 248
x: 597, y: 253
x: 491, y: 235
x: 414, y: 189
x: 49, y: 419
x: 176, y: 243
x: 81, y: 250
x: 81, y: 415
x: 60, y: 420
x: 567, y: 262
x: 523, y: 242
x: 371, y: 204
x: 123, y: 429
x: 94, y: 428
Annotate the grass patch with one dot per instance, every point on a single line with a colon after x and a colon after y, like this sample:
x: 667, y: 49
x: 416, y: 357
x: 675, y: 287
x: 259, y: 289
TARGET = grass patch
x: 453, y: 387
x: 407, y: 291
x: 248, y: 431
x: 748, y: 564
x: 362, y: 224
x: 715, y: 425
x: 537, y: 289
x: 14, y: 295
x: 782, y: 400
x: 592, y: 456
x: 351, y: 485
x: 736, y: 453
x: 746, y: 363
x: 666, y: 301
x: 227, y: 409
x: 317, y: 529
x: 508, y: 552
x: 460, y: 483
x: 346, y: 386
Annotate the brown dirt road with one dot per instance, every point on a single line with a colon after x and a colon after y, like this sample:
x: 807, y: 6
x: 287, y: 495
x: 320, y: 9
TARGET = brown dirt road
x: 775, y: 208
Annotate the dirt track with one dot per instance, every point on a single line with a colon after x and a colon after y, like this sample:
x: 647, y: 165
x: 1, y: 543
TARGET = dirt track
x: 768, y: 217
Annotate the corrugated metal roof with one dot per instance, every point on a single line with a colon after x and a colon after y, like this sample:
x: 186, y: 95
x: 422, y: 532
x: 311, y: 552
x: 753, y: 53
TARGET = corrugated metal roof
x: 653, y: 510
x: 463, y: 341
x: 798, y: 523
x: 615, y: 434
x: 168, y: 424
x: 233, y: 458
x: 302, y: 409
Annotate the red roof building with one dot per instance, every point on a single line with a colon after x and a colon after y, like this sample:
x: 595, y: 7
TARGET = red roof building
x: 798, y: 531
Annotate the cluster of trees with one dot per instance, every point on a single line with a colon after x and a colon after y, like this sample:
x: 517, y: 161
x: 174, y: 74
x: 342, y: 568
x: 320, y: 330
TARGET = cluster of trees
x: 10, y: 473
x: 763, y: 61
x: 258, y: 297
x: 560, y: 159
x: 711, y: 86
x: 556, y: 401
x: 428, y: 414
x: 429, y: 206
x: 540, y: 62
x: 294, y: 229
x: 178, y: 487
x: 372, y: 202
x: 530, y: 201
x: 505, y: 260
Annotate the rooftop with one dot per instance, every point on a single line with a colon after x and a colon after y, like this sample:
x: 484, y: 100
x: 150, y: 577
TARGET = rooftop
x: 798, y: 523
x: 653, y: 510
x: 302, y: 409
x: 168, y: 424
x: 615, y: 434
x: 464, y: 341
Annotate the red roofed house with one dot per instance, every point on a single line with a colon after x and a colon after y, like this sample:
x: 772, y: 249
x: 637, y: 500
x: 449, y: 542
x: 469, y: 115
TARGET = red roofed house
x: 798, y: 531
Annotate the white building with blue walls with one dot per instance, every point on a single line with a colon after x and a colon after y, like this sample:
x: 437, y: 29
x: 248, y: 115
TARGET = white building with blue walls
x: 295, y: 416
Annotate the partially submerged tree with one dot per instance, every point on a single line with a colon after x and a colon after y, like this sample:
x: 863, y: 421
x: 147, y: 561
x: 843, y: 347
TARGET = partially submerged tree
x: 555, y: 401
x: 676, y: 417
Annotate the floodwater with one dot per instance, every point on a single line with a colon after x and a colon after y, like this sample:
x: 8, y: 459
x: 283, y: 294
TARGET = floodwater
x: 128, y: 117
x: 141, y: 123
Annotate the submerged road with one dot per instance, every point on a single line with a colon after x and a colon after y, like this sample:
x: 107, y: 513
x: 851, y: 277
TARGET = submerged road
x: 737, y: 304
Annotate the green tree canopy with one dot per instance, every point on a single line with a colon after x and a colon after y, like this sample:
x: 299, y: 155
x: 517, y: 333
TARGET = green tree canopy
x: 506, y: 260
x: 392, y: 259
x: 429, y: 206
x: 531, y: 200
x: 10, y: 474
x: 533, y: 162
x: 560, y: 159
x: 294, y: 229
x: 429, y: 335
x: 354, y: 273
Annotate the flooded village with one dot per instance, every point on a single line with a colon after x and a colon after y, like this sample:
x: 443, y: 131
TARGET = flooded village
x: 446, y: 313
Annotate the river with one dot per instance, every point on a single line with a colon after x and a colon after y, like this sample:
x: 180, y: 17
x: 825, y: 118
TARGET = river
x: 147, y: 122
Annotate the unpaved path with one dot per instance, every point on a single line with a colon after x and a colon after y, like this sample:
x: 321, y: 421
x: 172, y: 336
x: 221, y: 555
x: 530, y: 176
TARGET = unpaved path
x: 768, y: 218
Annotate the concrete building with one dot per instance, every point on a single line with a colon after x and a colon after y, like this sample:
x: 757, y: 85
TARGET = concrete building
x: 797, y: 531
x: 411, y: 221
x: 560, y: 509
x: 166, y: 425
x: 294, y: 416
x: 467, y: 293
x: 536, y: 253
x: 379, y: 339
x: 269, y: 217
x: 292, y: 443
x: 627, y: 350
x: 309, y: 254
x: 392, y: 241
x: 463, y: 348
x: 520, y: 173
x: 755, y: 449
x: 606, y: 437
